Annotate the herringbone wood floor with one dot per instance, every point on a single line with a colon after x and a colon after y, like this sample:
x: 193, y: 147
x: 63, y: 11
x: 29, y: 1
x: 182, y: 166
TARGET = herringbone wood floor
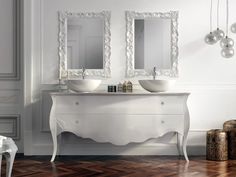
x: 116, y: 166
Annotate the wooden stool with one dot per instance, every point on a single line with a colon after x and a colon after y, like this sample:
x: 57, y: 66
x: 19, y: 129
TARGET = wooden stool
x: 8, y: 149
x: 217, y: 145
x: 230, y: 128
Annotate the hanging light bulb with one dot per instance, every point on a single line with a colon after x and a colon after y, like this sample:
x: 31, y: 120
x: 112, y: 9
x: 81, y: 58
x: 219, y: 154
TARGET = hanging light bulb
x: 233, y: 28
x: 227, y: 52
x: 218, y: 32
x: 227, y: 43
x: 210, y: 38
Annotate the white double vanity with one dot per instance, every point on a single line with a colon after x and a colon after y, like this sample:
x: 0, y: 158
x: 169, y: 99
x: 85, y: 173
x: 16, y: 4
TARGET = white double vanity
x: 120, y: 118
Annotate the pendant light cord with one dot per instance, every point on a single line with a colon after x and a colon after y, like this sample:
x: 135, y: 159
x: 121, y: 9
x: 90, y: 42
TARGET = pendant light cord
x: 211, y: 17
x: 227, y: 16
x: 218, y: 7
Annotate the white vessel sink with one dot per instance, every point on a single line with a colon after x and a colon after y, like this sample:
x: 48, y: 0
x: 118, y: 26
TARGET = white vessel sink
x: 156, y: 85
x: 83, y: 85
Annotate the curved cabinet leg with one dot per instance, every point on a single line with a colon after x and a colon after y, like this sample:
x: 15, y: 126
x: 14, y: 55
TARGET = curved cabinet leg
x: 184, y: 148
x: 54, y: 139
x: 53, y: 129
x: 186, y: 129
x: 179, y: 143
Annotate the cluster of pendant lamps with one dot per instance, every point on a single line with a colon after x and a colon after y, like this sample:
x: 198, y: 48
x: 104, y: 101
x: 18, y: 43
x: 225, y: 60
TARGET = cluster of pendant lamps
x: 213, y: 37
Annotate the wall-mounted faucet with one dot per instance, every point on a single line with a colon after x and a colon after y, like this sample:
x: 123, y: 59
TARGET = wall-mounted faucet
x: 154, y: 72
x: 83, y: 72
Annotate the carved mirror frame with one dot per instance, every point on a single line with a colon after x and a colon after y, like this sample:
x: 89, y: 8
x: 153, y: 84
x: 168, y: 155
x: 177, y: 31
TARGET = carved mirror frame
x: 65, y: 73
x: 130, y: 46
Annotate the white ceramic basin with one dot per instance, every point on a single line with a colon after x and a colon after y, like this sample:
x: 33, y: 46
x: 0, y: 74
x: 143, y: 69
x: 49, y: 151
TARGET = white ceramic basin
x: 83, y: 85
x: 156, y: 85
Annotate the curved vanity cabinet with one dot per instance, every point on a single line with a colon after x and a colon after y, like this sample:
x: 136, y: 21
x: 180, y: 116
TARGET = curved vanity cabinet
x: 120, y: 118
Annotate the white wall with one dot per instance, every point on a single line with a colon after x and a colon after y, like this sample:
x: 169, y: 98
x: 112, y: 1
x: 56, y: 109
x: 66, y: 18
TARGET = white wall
x: 210, y: 78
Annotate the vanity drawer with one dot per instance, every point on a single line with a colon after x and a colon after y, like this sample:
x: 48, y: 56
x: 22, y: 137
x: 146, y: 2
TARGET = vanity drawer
x: 120, y: 104
x: 120, y: 129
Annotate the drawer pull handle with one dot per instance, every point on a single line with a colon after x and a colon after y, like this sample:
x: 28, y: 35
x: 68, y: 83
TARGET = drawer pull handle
x: 162, y: 103
x: 77, y: 103
x: 162, y: 121
x: 76, y: 121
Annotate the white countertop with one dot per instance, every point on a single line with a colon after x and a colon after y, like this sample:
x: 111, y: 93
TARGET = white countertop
x: 105, y: 93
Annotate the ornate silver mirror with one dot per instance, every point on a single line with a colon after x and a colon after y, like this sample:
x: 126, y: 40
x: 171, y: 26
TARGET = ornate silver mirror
x: 151, y: 40
x: 84, y: 42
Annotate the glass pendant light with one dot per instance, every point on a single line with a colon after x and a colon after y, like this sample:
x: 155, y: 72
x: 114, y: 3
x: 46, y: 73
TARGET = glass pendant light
x: 227, y: 52
x: 227, y: 43
x: 218, y: 32
x: 210, y: 38
x: 233, y: 28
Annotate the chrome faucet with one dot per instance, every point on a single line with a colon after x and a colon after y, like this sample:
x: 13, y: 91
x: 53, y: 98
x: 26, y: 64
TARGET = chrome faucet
x: 154, y: 73
x: 83, y: 72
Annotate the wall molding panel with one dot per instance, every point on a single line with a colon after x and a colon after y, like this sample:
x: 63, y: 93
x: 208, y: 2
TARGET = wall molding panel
x: 10, y: 126
x: 10, y: 101
x: 15, y: 73
x: 9, y: 97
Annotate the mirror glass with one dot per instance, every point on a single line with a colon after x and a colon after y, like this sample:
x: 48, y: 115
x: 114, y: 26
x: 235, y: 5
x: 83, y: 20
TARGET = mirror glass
x: 152, y: 42
x: 84, y: 42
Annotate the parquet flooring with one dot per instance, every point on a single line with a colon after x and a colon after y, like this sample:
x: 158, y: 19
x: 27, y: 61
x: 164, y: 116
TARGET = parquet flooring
x: 121, y: 166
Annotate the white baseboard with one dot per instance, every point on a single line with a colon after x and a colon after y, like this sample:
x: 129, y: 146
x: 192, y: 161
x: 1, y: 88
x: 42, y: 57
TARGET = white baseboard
x: 159, y: 149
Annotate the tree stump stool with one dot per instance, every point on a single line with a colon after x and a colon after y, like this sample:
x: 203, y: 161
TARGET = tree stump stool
x: 230, y: 128
x: 217, y: 145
